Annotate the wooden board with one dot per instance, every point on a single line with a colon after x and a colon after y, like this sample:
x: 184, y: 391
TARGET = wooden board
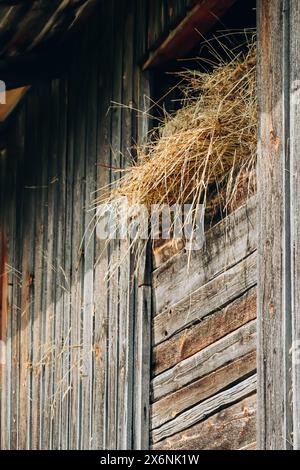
x: 227, y: 349
x: 293, y: 79
x: 172, y: 405
x: 230, y: 429
x: 225, y: 245
x: 210, y: 406
x: 213, y: 327
x: 189, y: 32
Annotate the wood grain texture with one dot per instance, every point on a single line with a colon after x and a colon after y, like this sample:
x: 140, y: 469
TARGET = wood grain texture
x: 172, y: 405
x: 208, y: 298
x: 187, y: 33
x: 200, y: 412
x: 293, y: 45
x: 226, y: 244
x: 230, y: 429
x: 274, y: 276
x: 227, y: 349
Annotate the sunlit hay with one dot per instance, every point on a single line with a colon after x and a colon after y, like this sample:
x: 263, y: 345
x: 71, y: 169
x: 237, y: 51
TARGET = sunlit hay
x: 209, y: 143
x: 210, y: 140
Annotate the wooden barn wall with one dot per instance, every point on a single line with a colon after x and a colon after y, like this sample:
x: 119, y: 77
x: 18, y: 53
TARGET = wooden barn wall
x: 70, y: 337
x: 203, y: 388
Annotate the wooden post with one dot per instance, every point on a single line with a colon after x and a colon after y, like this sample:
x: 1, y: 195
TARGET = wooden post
x: 278, y: 224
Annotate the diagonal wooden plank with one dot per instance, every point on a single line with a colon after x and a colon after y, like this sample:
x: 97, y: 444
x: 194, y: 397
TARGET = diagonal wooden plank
x: 227, y: 349
x: 210, y: 329
x: 226, y: 244
x: 200, y: 412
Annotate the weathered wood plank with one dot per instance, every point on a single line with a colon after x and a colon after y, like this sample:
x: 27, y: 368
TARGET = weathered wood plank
x: 208, y: 298
x: 213, y: 327
x: 114, y: 270
x: 54, y: 420
x: 187, y: 34
x: 126, y: 290
x: 274, y: 342
x: 226, y: 244
x: 5, y: 364
x: 199, y: 412
x: 172, y: 405
x: 17, y: 148
x: 293, y: 43
x: 234, y: 345
x: 40, y: 198
x: 27, y: 291
x: 102, y: 320
x: 142, y: 370
x: 81, y: 84
x: 229, y: 429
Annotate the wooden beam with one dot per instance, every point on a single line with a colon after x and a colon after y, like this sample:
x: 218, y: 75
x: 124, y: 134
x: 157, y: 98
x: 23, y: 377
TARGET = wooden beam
x: 236, y: 344
x: 227, y: 243
x: 188, y: 33
x: 274, y: 422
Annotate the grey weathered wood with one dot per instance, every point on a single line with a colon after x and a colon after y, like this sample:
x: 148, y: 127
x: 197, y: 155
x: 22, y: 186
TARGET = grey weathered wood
x: 126, y: 291
x: 199, y: 412
x: 114, y: 272
x: 227, y: 349
x: 101, y: 365
x: 172, y: 405
x: 79, y: 84
x: 39, y: 292
x: 209, y: 297
x: 225, y: 245
x: 27, y: 291
x: 54, y: 421
x: 143, y: 310
x: 274, y: 339
x: 89, y: 255
x: 230, y: 429
x: 62, y: 126
x: 207, y: 331
x: 142, y: 370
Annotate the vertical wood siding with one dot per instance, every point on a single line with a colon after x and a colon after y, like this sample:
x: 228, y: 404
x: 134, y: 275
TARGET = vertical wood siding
x: 278, y: 260
x: 71, y: 336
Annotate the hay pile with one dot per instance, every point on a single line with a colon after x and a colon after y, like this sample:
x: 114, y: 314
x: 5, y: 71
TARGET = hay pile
x: 210, y: 141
